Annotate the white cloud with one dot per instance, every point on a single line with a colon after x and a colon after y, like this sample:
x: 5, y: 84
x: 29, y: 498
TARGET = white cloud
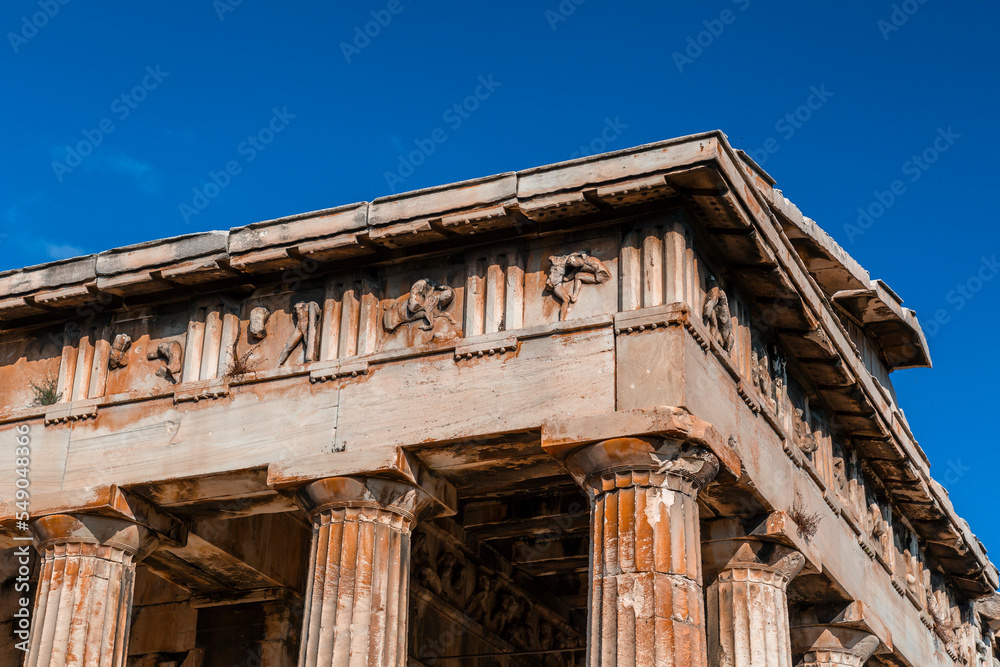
x: 146, y: 176
x: 65, y: 251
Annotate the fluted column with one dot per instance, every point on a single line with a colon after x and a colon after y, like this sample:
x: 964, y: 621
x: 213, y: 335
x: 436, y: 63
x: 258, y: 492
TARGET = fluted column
x: 646, y: 604
x: 84, y: 599
x: 833, y: 646
x: 747, y: 602
x: 357, y: 598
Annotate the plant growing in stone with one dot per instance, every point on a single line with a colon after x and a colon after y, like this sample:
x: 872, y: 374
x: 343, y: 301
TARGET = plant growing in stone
x: 806, y: 524
x: 46, y: 392
x: 241, y: 365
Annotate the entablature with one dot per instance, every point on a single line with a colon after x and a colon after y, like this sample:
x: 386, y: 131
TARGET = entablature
x: 462, y: 268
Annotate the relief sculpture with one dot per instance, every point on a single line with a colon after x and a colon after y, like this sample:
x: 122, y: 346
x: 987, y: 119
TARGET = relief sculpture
x: 573, y: 270
x: 306, y: 332
x: 172, y: 355
x: 258, y: 322
x: 717, y: 316
x: 780, y: 366
x: 426, y: 303
x: 761, y: 376
x: 119, y: 348
x: 481, y: 602
x: 839, y: 470
x: 805, y: 439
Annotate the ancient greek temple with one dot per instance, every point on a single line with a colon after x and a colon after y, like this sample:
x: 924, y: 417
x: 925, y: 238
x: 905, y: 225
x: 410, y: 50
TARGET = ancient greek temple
x: 631, y: 409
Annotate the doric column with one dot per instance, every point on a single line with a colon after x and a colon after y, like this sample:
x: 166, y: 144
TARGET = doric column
x: 646, y: 605
x: 357, y: 598
x: 747, y: 579
x: 84, y: 599
x: 833, y: 646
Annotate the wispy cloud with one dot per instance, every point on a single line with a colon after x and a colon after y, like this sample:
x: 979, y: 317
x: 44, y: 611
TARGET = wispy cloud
x: 56, y: 251
x: 145, y: 175
x: 13, y: 214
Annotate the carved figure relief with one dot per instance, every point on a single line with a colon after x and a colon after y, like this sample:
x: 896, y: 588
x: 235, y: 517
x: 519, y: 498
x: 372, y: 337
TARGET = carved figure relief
x: 518, y: 632
x: 761, y: 375
x: 565, y: 659
x: 839, y: 470
x: 258, y: 322
x: 876, y: 522
x: 506, y: 614
x: 855, y: 486
x: 942, y: 611
x: 481, y: 602
x: 545, y: 641
x: 427, y: 302
x: 914, y: 565
x: 780, y: 365
x: 569, y: 273
x: 119, y: 347
x: 172, y: 354
x: 805, y: 439
x: 426, y: 575
x: 717, y: 316
x: 306, y: 331
x: 446, y: 574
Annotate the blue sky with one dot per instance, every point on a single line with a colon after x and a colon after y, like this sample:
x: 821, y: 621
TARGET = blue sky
x: 116, y: 119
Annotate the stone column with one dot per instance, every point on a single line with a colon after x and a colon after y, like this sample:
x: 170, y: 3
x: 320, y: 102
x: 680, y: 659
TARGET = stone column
x: 646, y: 605
x: 358, y: 593
x: 84, y: 599
x: 831, y: 646
x: 747, y: 602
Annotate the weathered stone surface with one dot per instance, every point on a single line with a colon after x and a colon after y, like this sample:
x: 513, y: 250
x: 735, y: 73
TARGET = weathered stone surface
x: 630, y: 323
x: 747, y: 581
x: 356, y: 604
x: 84, y: 599
x: 825, y: 646
x: 646, y: 603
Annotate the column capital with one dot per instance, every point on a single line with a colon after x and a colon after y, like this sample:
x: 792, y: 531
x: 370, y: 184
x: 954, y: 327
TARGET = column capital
x: 763, y: 540
x: 748, y: 564
x: 662, y: 439
x: 96, y: 530
x: 833, y: 644
x: 647, y: 461
x: 722, y: 558
x: 374, y: 472
x: 104, y: 516
x: 403, y: 498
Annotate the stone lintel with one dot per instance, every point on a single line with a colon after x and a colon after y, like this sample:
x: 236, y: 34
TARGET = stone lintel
x: 560, y: 437
x: 392, y: 463
x: 774, y: 527
x: 106, y: 500
x: 854, y: 615
x: 229, y: 598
